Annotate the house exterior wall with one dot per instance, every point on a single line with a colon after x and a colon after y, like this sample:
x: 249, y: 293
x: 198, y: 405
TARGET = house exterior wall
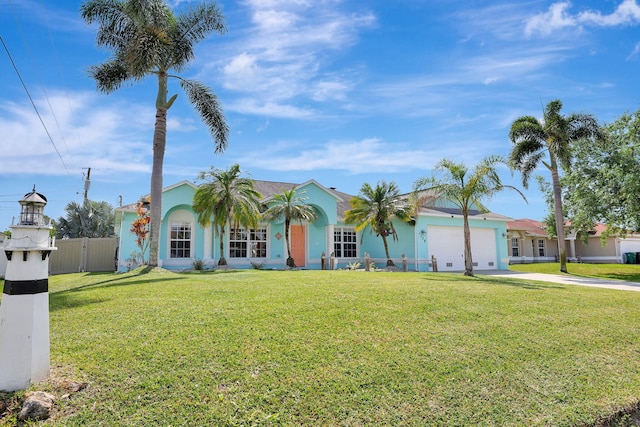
x: 528, y: 248
x: 374, y: 246
x: 126, y: 241
x: 593, y: 251
x: 319, y: 236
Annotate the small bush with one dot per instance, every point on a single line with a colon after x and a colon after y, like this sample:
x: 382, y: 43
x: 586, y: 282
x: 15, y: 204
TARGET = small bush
x: 198, y: 264
x: 134, y: 261
x: 353, y: 266
x: 256, y: 265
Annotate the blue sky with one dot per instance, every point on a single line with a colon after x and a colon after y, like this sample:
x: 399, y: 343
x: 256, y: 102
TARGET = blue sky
x: 340, y: 91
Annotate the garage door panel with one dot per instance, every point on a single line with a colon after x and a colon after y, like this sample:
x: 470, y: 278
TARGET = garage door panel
x: 446, y: 244
x: 629, y: 245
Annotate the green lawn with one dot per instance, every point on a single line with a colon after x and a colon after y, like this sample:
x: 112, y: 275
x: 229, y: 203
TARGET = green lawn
x: 339, y: 348
x: 629, y: 272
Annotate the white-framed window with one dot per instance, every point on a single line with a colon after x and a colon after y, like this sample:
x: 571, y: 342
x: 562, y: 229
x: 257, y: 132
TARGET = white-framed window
x: 515, y: 247
x: 180, y: 240
x: 345, y: 242
x: 541, y: 251
x: 180, y: 235
x: 248, y: 243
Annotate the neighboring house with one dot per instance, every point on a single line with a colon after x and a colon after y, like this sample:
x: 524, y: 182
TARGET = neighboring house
x: 613, y: 249
x: 437, y: 232
x: 529, y: 242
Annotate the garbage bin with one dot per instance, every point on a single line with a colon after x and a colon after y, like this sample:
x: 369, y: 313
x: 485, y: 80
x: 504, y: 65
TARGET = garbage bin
x: 631, y: 257
x: 637, y: 257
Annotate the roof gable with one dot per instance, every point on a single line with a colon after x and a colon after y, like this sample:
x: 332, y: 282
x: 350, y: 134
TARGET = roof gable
x: 531, y: 227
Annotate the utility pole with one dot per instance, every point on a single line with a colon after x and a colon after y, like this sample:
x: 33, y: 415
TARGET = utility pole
x: 87, y: 184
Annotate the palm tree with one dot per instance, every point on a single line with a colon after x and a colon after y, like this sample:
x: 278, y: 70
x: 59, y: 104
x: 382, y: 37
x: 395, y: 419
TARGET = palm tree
x: 291, y: 206
x: 148, y: 39
x: 86, y: 219
x: 552, y: 138
x: 376, y: 207
x: 466, y: 190
x: 228, y: 199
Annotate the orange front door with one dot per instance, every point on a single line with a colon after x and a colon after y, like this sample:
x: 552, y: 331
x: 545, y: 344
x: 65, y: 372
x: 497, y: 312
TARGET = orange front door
x: 298, y: 245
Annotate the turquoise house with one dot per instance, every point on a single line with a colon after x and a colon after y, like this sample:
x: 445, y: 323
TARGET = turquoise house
x: 327, y: 242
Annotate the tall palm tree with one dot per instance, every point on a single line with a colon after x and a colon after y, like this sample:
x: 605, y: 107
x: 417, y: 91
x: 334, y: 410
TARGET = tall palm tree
x: 466, y: 189
x: 292, y: 206
x: 551, y: 138
x: 228, y: 199
x: 148, y: 39
x: 376, y: 207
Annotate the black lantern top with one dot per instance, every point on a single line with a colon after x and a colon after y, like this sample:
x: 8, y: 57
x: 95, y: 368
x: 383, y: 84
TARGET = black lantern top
x: 32, y: 212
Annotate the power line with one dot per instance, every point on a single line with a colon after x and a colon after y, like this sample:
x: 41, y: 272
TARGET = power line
x: 33, y: 104
x: 37, y: 73
x: 61, y: 74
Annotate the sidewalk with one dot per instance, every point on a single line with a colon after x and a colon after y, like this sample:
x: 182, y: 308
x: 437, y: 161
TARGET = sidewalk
x: 569, y: 280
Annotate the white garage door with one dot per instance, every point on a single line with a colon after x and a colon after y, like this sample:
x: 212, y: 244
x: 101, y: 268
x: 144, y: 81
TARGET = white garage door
x: 628, y: 245
x: 446, y: 244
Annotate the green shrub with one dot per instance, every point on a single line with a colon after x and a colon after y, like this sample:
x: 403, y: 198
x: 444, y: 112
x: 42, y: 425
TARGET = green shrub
x: 198, y: 264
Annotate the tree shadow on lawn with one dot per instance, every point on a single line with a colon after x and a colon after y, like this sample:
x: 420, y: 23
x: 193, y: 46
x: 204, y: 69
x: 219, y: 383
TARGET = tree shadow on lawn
x: 519, y: 283
x: 494, y: 280
x: 63, y: 299
x: 626, y: 277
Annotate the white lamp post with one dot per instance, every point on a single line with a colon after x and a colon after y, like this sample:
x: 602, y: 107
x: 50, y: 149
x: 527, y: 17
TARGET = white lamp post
x: 24, y: 308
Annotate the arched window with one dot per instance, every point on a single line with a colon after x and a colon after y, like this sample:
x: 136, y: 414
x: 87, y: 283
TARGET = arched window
x: 181, y: 234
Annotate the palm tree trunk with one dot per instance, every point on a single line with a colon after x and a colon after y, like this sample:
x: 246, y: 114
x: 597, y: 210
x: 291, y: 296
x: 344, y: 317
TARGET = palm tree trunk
x: 159, y: 142
x: 290, y: 261
x: 468, y: 260
x: 222, y: 260
x: 390, y: 262
x: 557, y: 204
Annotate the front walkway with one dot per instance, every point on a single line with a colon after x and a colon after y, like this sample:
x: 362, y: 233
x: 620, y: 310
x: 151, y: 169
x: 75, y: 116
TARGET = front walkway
x: 568, y: 280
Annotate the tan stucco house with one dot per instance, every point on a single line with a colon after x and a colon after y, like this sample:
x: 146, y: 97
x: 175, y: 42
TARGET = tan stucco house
x: 529, y: 242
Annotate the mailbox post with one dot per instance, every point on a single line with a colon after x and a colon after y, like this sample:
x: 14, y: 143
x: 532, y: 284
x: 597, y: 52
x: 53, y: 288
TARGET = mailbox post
x: 24, y: 308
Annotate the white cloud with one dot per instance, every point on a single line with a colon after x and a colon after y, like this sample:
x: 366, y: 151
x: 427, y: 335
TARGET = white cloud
x: 324, y: 90
x: 272, y: 20
x: 242, y: 71
x: 626, y: 13
x: 88, y: 134
x: 555, y: 18
x: 268, y: 4
x: 558, y: 17
x: 635, y: 52
x: 268, y: 109
x: 287, y: 53
x: 501, y: 21
x: 369, y: 155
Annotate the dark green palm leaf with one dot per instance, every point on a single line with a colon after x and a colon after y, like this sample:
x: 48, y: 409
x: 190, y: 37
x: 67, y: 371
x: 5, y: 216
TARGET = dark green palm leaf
x: 206, y: 103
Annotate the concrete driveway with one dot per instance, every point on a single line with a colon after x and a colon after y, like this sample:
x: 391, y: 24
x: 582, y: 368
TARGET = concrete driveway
x: 569, y: 280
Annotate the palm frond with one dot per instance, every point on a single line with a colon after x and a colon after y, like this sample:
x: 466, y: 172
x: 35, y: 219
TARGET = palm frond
x: 376, y: 207
x: 110, y: 75
x: 207, y: 105
x: 193, y: 26
x: 290, y: 205
x: 112, y: 21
